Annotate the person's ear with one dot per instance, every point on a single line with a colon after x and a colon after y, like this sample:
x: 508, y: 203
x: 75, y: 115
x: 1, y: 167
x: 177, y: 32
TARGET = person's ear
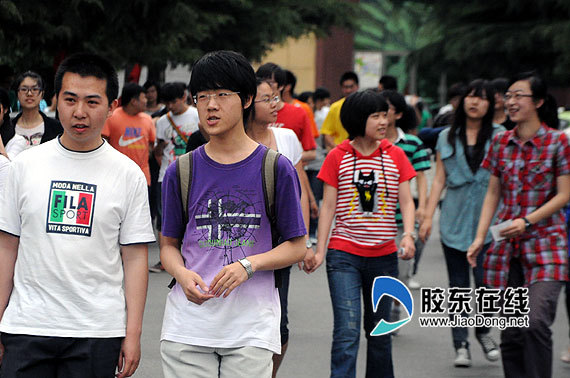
x: 399, y: 115
x: 248, y: 102
x: 112, y: 107
x: 539, y: 103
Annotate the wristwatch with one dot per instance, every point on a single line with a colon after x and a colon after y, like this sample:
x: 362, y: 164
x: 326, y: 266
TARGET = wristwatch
x: 308, y: 243
x: 247, y: 266
x: 527, y: 223
x: 412, y: 234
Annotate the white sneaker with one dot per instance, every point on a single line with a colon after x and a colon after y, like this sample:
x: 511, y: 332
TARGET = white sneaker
x: 462, y: 357
x: 565, y: 356
x: 490, y: 347
x: 413, y: 284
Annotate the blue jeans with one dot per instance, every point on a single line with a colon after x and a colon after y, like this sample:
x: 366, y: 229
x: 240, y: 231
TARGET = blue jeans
x: 348, y: 276
x: 458, y: 270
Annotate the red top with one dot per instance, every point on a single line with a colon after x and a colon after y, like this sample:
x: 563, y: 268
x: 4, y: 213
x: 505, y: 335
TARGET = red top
x: 295, y: 118
x: 368, y: 192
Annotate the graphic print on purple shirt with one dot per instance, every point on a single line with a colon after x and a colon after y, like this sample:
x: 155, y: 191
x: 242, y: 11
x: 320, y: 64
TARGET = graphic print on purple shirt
x: 226, y: 211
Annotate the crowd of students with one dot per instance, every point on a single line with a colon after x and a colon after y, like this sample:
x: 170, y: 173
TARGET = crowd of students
x: 242, y: 178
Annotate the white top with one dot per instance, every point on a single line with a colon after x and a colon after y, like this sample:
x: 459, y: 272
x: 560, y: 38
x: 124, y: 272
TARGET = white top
x: 4, y: 165
x: 288, y: 144
x: 187, y: 123
x: 33, y: 136
x: 16, y: 145
x: 71, y: 210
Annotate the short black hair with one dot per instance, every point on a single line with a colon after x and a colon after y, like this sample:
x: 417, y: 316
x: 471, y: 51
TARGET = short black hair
x: 87, y: 64
x: 357, y: 108
x: 172, y: 91
x: 225, y: 70
x: 396, y: 99
x: 500, y: 84
x: 348, y: 75
x: 456, y: 90
x: 130, y: 91
x: 268, y: 70
x: 548, y: 112
x: 32, y: 75
x: 290, y: 79
x: 409, y: 120
x: 152, y: 83
x: 321, y: 93
x: 305, y: 96
x: 389, y: 82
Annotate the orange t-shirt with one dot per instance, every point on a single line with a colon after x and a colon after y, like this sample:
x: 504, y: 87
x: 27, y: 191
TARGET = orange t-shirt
x: 309, y: 111
x: 132, y: 136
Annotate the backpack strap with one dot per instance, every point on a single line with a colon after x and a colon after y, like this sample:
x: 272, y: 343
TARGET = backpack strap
x: 184, y: 175
x: 269, y: 180
x: 184, y: 165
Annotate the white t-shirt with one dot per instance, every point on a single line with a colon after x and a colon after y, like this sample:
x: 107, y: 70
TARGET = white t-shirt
x: 288, y: 144
x: 16, y: 145
x: 33, y: 136
x: 187, y: 123
x: 4, y: 165
x: 71, y: 210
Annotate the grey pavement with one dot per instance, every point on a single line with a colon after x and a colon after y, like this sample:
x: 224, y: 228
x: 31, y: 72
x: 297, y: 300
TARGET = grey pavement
x: 417, y: 352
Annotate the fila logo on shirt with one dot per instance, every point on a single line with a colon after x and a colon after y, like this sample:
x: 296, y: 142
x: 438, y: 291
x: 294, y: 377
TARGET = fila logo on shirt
x: 70, y: 209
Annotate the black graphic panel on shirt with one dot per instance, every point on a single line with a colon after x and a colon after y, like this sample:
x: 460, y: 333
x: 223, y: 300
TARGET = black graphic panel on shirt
x: 70, y: 209
x: 366, y: 186
x: 227, y: 223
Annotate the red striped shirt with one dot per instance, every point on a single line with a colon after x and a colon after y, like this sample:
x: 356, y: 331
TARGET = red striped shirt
x: 368, y: 188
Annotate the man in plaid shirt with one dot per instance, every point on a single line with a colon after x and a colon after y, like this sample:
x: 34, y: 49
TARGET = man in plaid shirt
x: 530, y: 181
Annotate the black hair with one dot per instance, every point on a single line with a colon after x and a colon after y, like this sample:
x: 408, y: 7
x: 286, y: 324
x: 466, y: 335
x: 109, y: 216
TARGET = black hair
x: 348, y: 75
x: 548, y: 112
x: 409, y: 119
x: 321, y: 93
x: 32, y: 75
x: 225, y: 70
x: 479, y: 88
x: 6, y: 130
x: 251, y: 115
x: 500, y: 84
x: 87, y: 64
x: 152, y: 83
x: 290, y: 79
x: 389, y: 82
x: 130, y: 91
x: 305, y: 96
x: 456, y: 90
x: 270, y: 70
x: 396, y: 99
x: 172, y: 91
x: 357, y: 108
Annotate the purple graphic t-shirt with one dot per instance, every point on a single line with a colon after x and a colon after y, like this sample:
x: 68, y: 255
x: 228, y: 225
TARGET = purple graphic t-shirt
x: 226, y: 222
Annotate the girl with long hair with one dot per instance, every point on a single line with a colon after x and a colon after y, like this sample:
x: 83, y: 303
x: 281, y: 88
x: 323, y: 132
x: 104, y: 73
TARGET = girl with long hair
x: 460, y: 151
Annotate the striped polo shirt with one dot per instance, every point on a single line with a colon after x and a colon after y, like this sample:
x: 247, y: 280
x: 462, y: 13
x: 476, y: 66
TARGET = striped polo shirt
x: 417, y: 155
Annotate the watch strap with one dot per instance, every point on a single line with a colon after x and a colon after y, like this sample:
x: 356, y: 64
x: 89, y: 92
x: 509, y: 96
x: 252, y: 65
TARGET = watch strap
x: 247, y: 266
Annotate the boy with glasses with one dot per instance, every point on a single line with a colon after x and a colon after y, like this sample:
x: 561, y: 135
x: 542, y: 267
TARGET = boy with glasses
x: 222, y: 316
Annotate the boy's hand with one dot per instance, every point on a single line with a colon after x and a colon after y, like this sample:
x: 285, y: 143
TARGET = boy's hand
x: 316, y: 261
x: 129, y: 357
x: 227, y: 279
x: 425, y: 230
x: 308, y: 261
x: 191, y: 283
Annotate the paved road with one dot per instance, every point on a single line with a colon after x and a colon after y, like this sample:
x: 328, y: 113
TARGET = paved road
x: 418, y: 352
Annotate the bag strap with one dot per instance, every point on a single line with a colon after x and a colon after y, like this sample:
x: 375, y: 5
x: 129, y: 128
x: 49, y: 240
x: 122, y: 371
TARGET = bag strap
x: 176, y: 128
x: 184, y: 166
x: 184, y: 175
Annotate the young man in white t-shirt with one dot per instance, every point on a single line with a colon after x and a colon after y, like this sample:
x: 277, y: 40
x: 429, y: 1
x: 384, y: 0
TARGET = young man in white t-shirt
x: 172, y: 133
x: 74, y: 225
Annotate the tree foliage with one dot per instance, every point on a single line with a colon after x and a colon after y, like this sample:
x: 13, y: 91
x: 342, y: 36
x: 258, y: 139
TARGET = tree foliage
x: 152, y: 32
x: 499, y: 38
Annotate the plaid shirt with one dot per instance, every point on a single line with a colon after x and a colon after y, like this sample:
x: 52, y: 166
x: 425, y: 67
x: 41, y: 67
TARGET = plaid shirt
x: 527, y: 172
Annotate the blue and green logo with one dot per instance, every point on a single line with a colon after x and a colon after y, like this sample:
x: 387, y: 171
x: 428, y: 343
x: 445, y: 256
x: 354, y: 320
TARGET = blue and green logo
x: 390, y: 286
